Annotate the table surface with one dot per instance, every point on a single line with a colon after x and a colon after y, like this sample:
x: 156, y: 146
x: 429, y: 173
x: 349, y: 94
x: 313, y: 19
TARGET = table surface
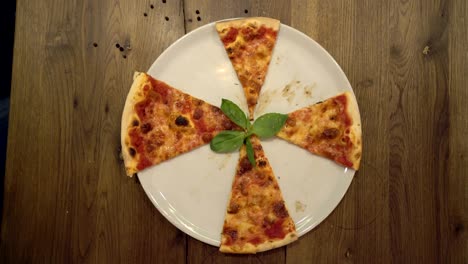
x: 67, y: 199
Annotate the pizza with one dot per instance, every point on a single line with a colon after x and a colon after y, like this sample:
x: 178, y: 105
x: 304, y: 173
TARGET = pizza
x: 249, y: 45
x: 160, y: 122
x: 256, y: 217
x: 331, y: 129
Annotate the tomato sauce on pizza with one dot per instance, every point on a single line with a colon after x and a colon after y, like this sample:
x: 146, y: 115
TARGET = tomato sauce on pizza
x: 331, y: 129
x: 257, y: 218
x: 161, y: 122
x: 249, y: 45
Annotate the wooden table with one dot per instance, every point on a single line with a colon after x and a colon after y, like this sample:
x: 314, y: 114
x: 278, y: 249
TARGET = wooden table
x: 67, y: 199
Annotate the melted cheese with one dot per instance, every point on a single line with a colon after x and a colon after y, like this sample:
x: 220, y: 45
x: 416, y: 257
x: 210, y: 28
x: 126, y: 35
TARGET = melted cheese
x: 259, y: 206
x: 250, y: 57
x: 325, y: 129
x: 163, y: 124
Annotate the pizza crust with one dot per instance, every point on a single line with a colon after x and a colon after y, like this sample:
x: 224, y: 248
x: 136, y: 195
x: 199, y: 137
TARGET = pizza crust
x: 128, y: 115
x: 269, y: 22
x: 247, y: 249
x: 291, y: 237
x: 355, y: 129
x: 251, y: 249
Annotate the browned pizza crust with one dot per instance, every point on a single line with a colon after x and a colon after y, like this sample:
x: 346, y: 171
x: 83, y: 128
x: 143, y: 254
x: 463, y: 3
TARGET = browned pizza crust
x: 356, y: 131
x: 139, y: 79
x: 269, y: 22
x: 251, y: 249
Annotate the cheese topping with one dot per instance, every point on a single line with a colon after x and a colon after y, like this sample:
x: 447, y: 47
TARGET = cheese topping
x: 167, y: 122
x: 326, y: 129
x: 249, y: 44
x: 256, y: 214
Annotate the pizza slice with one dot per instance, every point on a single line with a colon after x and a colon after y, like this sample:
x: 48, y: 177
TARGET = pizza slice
x: 249, y: 44
x: 331, y: 129
x: 257, y: 218
x: 160, y: 122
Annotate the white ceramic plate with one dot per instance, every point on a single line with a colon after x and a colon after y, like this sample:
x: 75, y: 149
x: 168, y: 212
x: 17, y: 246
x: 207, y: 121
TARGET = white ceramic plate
x: 192, y: 190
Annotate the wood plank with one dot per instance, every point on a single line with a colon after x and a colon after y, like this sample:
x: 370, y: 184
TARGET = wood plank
x: 454, y: 208
x: 418, y: 134
x: 67, y: 198
x: 199, y: 13
x: 210, y: 11
x: 357, y: 230
x: 409, y: 126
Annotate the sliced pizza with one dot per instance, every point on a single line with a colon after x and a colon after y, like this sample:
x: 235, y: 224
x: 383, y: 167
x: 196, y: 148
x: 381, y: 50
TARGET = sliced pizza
x: 257, y: 218
x: 160, y: 122
x: 331, y: 129
x: 249, y: 44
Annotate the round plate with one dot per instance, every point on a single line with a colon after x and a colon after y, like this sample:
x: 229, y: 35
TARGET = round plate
x: 192, y: 190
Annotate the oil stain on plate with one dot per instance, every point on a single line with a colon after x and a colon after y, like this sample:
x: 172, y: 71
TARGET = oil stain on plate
x: 289, y: 90
x: 265, y: 99
x: 294, y: 87
x: 300, y: 207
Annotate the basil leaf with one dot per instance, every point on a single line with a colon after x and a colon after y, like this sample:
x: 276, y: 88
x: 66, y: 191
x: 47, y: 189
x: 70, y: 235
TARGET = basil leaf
x: 269, y: 124
x: 227, y: 141
x: 234, y: 113
x: 250, y: 152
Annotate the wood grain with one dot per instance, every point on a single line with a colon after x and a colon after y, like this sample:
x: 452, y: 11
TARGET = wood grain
x: 67, y: 199
x: 453, y: 214
x: 209, y: 11
x: 419, y: 135
x: 357, y: 230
